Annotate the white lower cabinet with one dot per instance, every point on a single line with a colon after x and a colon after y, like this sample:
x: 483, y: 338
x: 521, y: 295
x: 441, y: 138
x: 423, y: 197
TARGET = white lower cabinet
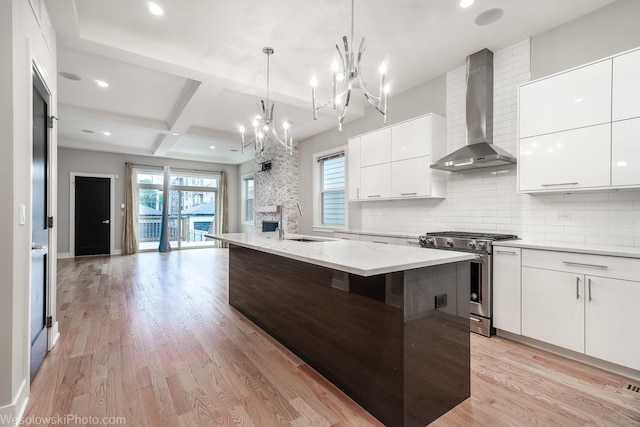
x: 581, y: 302
x: 611, y: 321
x: 553, y: 307
x: 375, y: 182
x: 506, y: 289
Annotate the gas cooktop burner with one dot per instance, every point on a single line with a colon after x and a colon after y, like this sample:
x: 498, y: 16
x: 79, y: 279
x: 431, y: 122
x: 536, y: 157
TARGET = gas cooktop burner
x: 472, y: 235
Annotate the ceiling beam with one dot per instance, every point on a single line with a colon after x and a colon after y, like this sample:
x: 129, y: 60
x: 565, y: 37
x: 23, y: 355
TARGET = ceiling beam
x: 69, y: 111
x: 193, y: 99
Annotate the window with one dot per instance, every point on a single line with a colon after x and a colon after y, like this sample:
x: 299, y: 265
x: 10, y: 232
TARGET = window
x: 247, y: 198
x: 330, y: 207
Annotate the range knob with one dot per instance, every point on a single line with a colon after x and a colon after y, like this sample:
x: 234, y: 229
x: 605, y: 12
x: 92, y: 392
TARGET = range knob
x: 481, y: 245
x: 472, y: 245
x: 450, y: 243
x: 430, y: 241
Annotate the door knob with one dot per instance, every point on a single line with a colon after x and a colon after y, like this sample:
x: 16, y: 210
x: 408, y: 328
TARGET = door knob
x: 106, y: 221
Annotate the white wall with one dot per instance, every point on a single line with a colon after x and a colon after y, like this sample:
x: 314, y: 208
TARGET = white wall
x: 21, y: 43
x: 72, y: 160
x: 487, y: 199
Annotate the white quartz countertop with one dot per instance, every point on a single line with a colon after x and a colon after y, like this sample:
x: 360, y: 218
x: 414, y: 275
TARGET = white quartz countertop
x: 362, y: 258
x: 621, y: 251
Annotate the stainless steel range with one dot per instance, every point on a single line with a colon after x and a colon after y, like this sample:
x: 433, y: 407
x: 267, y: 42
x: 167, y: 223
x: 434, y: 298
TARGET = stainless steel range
x: 480, y: 244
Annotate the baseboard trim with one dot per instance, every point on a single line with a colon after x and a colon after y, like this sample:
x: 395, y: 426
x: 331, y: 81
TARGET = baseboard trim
x: 569, y: 354
x: 15, y: 411
x: 54, y: 334
x: 63, y: 255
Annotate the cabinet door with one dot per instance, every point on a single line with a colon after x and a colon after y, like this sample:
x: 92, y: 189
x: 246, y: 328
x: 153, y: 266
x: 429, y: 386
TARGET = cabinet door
x: 553, y: 307
x: 375, y: 147
x: 579, y: 158
x: 626, y: 86
x: 411, y: 178
x: 625, y: 152
x: 411, y: 139
x: 375, y: 182
x: 353, y: 169
x: 611, y: 321
x: 506, y: 289
x: 573, y: 99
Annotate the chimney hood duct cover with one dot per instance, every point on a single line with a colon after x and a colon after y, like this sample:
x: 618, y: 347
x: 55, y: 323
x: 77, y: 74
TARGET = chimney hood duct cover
x: 480, y: 152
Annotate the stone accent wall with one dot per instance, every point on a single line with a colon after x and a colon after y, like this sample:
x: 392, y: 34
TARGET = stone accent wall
x: 275, y: 186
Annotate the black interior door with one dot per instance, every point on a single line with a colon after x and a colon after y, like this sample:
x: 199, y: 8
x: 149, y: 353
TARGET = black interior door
x: 92, y: 216
x: 40, y: 232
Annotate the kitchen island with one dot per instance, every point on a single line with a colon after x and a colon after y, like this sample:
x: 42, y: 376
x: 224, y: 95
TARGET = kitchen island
x: 388, y: 325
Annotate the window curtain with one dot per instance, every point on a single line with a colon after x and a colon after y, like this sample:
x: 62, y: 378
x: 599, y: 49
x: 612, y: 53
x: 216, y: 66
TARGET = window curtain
x: 224, y: 214
x: 165, y: 246
x: 129, y: 230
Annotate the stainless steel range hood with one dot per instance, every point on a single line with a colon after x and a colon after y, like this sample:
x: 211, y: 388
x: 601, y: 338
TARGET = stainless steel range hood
x: 480, y: 152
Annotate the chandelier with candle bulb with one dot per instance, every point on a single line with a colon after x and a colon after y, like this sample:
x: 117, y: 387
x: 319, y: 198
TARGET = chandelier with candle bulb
x: 347, y: 74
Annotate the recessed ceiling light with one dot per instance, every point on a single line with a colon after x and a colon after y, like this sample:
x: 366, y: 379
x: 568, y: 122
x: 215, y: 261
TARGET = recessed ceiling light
x: 175, y: 134
x: 489, y: 16
x: 69, y: 76
x: 212, y: 147
x: 155, y: 9
x: 87, y: 131
x: 465, y: 3
x: 105, y: 133
x: 102, y: 83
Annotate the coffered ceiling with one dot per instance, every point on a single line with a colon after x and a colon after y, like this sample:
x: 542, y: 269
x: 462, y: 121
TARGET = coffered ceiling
x: 182, y: 83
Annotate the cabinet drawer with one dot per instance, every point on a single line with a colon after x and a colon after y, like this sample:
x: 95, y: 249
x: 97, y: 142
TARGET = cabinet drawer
x: 346, y: 236
x: 383, y: 239
x: 592, y: 265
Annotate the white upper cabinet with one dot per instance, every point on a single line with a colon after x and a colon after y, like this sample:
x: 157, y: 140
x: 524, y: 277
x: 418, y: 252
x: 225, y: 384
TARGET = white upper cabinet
x: 579, y: 129
x: 375, y: 182
x: 625, y: 152
x: 411, y: 177
x: 394, y: 162
x: 626, y: 86
x: 579, y: 158
x: 411, y: 139
x: 375, y: 147
x: 573, y: 99
x: 353, y: 168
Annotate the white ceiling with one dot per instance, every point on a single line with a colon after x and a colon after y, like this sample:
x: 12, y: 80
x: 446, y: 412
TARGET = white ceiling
x: 183, y: 82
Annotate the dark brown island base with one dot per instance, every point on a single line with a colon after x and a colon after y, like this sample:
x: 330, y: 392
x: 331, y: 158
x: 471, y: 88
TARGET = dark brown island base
x: 379, y: 338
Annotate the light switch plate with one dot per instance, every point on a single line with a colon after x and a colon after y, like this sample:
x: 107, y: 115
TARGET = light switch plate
x: 22, y: 214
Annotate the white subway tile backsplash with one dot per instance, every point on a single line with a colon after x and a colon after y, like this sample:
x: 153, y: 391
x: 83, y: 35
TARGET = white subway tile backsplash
x: 487, y: 199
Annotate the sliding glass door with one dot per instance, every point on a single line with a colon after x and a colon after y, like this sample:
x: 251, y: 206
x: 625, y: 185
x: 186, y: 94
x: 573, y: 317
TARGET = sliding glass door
x: 192, y: 210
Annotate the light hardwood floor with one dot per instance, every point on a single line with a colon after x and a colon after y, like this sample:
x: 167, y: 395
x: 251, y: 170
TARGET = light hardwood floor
x: 151, y: 338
